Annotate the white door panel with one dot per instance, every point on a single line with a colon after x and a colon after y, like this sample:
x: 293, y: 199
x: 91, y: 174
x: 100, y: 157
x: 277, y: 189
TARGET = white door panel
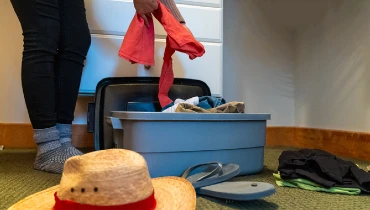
x: 103, y: 61
x: 113, y: 17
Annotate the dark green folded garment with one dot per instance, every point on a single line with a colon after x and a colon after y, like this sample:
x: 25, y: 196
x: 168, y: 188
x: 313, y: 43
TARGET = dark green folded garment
x: 309, y: 185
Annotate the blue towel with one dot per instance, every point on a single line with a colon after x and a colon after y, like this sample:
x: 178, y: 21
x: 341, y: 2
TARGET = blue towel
x: 209, y: 102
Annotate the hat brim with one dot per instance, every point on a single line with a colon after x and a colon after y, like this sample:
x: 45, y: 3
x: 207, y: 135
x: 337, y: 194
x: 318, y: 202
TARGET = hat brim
x: 170, y: 193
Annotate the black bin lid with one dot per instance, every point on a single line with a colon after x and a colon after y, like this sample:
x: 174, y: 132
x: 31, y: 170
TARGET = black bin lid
x: 134, y: 94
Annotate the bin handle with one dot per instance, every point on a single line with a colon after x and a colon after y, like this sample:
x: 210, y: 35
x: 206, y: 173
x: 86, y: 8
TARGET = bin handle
x: 114, y: 122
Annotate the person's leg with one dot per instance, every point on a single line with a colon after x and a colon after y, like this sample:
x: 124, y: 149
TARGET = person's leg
x: 73, y: 47
x: 41, y: 28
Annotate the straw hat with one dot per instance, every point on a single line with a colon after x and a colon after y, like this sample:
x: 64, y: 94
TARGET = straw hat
x: 111, y: 179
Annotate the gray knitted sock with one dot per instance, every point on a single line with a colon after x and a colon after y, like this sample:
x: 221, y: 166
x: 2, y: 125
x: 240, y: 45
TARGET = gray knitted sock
x: 65, y: 136
x: 50, y: 153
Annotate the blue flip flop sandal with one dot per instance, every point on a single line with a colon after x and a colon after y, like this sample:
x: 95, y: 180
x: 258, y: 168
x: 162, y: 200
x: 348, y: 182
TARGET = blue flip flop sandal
x: 212, y: 182
x: 214, y: 173
x: 238, y: 191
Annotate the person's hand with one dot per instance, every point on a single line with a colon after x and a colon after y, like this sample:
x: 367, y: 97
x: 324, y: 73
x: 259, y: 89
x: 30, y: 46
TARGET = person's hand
x: 144, y: 8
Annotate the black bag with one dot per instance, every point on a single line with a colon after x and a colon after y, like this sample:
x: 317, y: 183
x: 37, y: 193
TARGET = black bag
x: 132, y: 94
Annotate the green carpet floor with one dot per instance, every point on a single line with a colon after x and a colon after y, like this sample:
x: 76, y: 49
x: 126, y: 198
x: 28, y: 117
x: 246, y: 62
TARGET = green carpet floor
x: 18, y: 180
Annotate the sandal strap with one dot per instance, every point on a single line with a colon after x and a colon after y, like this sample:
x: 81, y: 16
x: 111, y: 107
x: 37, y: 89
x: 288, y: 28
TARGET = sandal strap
x: 215, y: 171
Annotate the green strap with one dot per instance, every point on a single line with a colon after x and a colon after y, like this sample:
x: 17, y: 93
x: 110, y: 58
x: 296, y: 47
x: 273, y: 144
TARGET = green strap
x: 309, y: 185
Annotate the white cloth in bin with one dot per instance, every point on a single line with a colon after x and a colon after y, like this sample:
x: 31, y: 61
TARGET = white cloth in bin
x: 193, y: 101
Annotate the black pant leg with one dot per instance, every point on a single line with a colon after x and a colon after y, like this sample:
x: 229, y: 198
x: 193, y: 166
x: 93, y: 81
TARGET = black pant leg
x: 40, y: 21
x: 73, y: 47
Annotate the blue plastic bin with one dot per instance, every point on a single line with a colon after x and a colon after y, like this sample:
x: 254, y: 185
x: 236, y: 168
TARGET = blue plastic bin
x: 172, y: 142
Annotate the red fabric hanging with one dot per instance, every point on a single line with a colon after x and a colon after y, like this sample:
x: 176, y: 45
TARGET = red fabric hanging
x: 138, y: 46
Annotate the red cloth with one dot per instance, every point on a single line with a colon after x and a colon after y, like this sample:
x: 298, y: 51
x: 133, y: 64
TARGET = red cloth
x: 138, y: 46
x: 147, y: 204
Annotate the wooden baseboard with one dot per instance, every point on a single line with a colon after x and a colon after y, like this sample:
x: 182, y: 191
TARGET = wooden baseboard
x: 14, y: 136
x: 280, y: 136
x: 345, y: 143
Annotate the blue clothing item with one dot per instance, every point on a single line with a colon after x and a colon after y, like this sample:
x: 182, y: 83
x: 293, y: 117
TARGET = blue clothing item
x: 205, y: 102
x: 209, y: 102
x: 168, y: 106
x: 143, y: 106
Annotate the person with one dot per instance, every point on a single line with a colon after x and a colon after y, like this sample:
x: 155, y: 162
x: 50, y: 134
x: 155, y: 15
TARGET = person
x: 56, y: 42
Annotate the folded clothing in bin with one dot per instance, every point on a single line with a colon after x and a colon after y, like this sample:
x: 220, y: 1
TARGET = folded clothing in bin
x: 138, y: 46
x: 205, y: 104
x: 231, y: 107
